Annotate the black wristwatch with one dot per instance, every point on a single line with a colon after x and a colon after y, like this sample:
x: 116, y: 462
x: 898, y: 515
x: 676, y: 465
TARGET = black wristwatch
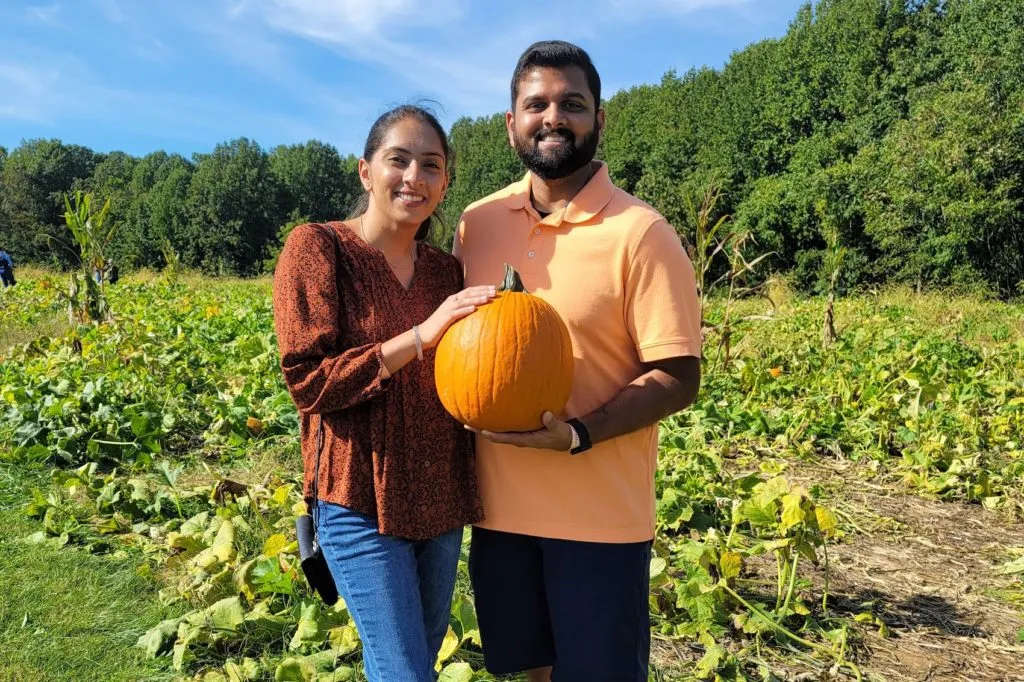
x: 583, y: 434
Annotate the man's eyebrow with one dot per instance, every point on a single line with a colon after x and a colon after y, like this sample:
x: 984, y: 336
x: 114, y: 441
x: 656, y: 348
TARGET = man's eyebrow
x: 569, y: 95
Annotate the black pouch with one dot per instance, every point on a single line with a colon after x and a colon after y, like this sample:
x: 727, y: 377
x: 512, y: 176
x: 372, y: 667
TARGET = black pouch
x: 311, y: 555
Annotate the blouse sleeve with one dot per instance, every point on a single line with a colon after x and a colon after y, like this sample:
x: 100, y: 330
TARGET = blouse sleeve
x: 322, y: 372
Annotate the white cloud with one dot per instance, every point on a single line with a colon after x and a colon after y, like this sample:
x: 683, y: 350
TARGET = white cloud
x: 28, y: 91
x: 459, y: 52
x: 679, y: 6
x: 135, y: 31
x: 43, y: 13
x: 347, y: 21
x: 417, y: 41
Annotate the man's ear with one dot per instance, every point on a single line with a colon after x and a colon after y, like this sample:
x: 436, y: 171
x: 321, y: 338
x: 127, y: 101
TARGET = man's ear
x: 510, y: 128
x: 600, y: 124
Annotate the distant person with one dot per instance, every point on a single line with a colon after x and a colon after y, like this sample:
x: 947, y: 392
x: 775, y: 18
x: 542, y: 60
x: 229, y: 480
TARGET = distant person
x: 6, y: 269
x: 359, y: 306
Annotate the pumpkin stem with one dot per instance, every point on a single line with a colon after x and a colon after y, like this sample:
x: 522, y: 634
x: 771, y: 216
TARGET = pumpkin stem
x: 512, y: 281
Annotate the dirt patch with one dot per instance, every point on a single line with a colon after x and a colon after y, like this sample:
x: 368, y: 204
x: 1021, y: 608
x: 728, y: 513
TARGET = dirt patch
x: 928, y: 569
x: 934, y: 583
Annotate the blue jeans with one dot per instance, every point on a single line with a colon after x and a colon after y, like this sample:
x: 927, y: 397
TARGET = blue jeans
x: 399, y: 592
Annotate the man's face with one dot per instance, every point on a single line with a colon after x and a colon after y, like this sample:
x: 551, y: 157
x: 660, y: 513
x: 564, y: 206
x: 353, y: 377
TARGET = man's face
x: 556, y: 126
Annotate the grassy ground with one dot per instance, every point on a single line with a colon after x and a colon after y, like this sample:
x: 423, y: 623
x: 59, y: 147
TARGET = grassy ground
x: 66, y: 614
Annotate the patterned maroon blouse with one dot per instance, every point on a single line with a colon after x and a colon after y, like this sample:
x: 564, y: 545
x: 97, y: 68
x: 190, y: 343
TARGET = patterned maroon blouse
x: 390, y: 449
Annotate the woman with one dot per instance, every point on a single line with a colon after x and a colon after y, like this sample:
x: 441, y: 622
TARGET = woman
x: 358, y: 306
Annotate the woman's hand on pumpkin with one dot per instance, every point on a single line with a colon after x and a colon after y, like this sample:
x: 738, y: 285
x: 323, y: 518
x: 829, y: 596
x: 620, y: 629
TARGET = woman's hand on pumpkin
x: 453, y: 308
x: 556, y: 435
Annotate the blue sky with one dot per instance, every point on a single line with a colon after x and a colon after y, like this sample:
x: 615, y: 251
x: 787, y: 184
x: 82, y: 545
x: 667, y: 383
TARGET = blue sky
x: 183, y: 75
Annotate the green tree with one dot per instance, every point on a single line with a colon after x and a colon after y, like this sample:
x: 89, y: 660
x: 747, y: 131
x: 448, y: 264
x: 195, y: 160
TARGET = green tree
x: 159, y: 209
x: 484, y: 162
x: 233, y: 210
x: 315, y: 181
x: 943, y: 199
x: 35, y: 177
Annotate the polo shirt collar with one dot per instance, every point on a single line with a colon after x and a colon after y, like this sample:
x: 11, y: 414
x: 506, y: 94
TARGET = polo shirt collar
x: 587, y: 203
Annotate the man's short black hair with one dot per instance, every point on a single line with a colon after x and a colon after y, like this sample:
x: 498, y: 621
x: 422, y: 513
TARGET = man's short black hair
x: 556, y: 54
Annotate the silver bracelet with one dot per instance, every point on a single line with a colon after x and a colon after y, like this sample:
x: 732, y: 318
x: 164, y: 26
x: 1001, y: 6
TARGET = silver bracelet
x: 419, y: 342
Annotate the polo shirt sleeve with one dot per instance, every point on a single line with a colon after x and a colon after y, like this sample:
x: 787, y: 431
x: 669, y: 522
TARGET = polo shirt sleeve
x: 662, y: 309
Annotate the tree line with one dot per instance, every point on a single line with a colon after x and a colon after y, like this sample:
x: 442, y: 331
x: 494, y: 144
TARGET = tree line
x: 897, y: 125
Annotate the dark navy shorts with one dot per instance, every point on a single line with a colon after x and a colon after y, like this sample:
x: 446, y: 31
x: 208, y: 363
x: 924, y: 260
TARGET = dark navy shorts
x: 581, y: 607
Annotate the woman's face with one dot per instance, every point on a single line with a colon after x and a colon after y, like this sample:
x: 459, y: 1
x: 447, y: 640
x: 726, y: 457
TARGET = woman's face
x: 407, y: 176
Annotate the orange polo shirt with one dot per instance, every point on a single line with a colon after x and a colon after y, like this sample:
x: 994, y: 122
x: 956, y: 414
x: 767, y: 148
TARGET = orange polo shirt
x: 616, y: 272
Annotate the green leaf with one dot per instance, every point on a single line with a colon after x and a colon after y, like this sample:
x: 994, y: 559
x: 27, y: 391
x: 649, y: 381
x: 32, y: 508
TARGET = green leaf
x: 281, y: 494
x: 710, y: 662
x: 243, y: 580
x: 343, y: 639
x: 308, y: 669
x: 274, y: 545
x: 293, y: 670
x: 246, y: 671
x: 311, y: 630
x: 159, y: 639
x: 465, y: 616
x: 759, y: 516
x: 449, y: 645
x: 268, y: 578
x: 456, y: 672
x: 792, y: 510
x: 225, y: 615
x: 730, y: 563
x: 827, y: 520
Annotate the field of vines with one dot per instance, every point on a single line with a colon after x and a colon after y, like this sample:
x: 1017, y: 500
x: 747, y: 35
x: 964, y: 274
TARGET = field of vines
x: 843, y: 512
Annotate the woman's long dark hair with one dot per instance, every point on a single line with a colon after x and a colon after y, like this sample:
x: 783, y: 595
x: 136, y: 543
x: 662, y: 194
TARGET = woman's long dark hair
x: 379, y: 130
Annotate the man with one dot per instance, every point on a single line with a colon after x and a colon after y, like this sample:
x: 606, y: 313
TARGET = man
x: 6, y: 269
x: 560, y: 565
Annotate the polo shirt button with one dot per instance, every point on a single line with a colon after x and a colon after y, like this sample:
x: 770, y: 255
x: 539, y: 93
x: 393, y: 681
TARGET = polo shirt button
x: 531, y: 254
x: 536, y: 230
x: 426, y: 464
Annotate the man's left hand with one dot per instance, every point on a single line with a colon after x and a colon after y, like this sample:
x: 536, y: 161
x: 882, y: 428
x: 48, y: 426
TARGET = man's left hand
x: 556, y: 435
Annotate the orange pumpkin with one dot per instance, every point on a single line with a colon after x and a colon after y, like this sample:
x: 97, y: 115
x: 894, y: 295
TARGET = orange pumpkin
x: 506, y: 363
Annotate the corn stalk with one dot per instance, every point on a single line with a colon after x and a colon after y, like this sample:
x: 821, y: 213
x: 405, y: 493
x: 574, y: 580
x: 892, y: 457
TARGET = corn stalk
x: 712, y: 240
x: 834, y: 255
x: 172, y: 262
x: 87, y: 301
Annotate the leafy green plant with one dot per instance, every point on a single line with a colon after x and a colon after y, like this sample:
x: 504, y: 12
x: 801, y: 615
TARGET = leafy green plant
x: 87, y: 301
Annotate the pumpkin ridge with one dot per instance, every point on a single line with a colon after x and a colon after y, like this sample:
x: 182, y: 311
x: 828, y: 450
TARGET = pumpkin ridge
x: 517, y: 358
x: 481, y: 368
x: 465, y: 410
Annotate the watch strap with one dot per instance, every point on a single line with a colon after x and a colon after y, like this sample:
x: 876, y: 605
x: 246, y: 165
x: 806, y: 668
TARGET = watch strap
x: 582, y: 433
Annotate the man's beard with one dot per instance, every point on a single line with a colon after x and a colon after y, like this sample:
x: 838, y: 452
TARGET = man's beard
x: 557, y: 163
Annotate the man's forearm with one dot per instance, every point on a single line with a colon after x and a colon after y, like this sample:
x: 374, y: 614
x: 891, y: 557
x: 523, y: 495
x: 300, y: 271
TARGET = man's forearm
x: 663, y: 390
